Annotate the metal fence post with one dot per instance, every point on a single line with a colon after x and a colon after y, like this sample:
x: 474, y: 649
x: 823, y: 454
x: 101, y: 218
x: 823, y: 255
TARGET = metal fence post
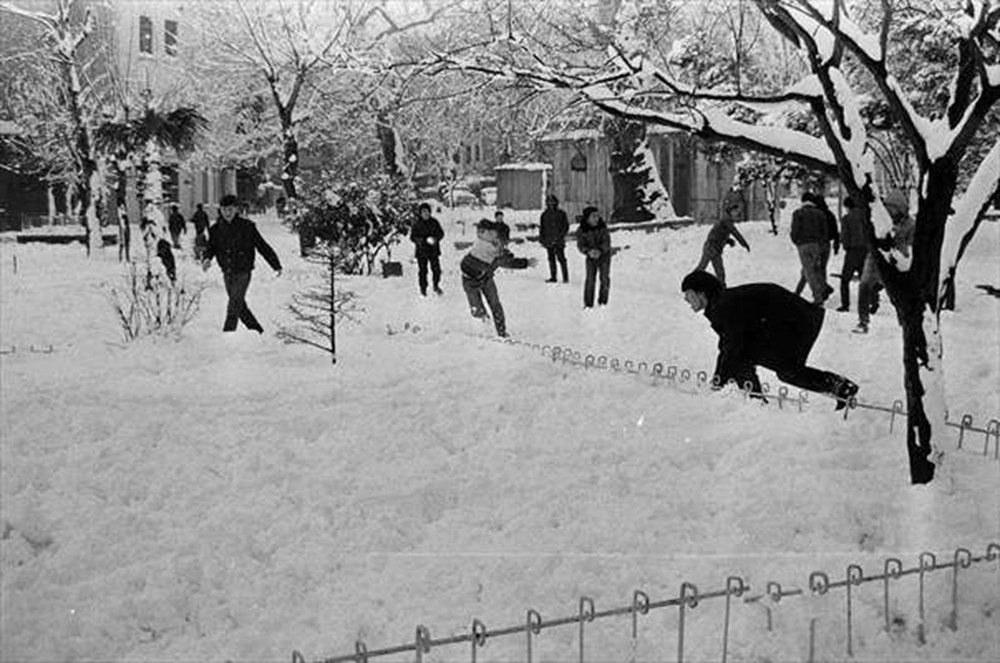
x: 687, y: 600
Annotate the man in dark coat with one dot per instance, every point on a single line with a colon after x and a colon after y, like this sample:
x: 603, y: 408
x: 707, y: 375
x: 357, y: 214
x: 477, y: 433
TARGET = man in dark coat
x: 810, y: 232
x: 594, y: 241
x: 854, y: 239
x: 763, y: 324
x: 234, y: 242
x: 177, y: 225
x: 552, y: 235
x: 426, y: 236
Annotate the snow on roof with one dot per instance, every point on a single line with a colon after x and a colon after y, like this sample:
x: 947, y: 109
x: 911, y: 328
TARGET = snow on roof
x: 595, y: 134
x: 525, y: 166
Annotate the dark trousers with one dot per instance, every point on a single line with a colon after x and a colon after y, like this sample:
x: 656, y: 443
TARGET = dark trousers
x: 237, y: 309
x: 597, y: 266
x: 557, y: 254
x: 854, y: 263
x: 799, y: 375
x: 435, y: 263
x: 475, y: 291
x: 710, y: 253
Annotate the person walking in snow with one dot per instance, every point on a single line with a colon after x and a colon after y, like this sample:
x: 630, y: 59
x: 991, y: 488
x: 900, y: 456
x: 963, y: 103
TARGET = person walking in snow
x: 479, y: 265
x: 426, y: 236
x: 722, y: 233
x: 177, y: 225
x: 200, y: 221
x: 234, y: 241
x: 552, y: 231
x: 833, y: 241
x: 854, y: 239
x: 811, y: 236
x: 903, y: 228
x: 763, y: 324
x: 593, y: 239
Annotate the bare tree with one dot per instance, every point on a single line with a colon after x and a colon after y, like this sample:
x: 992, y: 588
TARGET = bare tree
x: 65, y: 32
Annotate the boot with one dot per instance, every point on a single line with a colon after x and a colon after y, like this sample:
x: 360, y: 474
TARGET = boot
x: 844, y: 392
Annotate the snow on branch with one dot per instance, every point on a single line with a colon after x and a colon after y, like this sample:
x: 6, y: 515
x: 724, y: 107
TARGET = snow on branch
x: 967, y: 213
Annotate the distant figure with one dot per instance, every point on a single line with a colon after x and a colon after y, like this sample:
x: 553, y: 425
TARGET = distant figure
x: 854, y: 239
x: 177, y: 225
x: 426, y: 236
x: 763, y: 324
x: 124, y: 233
x: 594, y: 241
x: 151, y: 227
x: 552, y: 232
x: 734, y: 205
x: 480, y: 264
x: 811, y: 236
x: 200, y: 221
x: 234, y: 241
x: 903, y: 228
x: 719, y: 235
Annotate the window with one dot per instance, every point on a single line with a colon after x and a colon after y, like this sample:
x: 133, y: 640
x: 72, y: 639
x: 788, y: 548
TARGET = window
x: 578, y: 162
x: 468, y: 154
x: 145, y: 35
x: 478, y: 154
x: 170, y: 37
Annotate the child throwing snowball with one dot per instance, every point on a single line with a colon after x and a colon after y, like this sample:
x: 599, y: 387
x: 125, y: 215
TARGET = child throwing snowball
x: 480, y: 263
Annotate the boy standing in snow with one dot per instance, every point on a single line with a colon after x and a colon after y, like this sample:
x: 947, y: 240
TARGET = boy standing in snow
x: 177, y: 225
x: 426, y: 236
x: 234, y: 241
x: 763, y: 324
x: 594, y: 241
x: 718, y: 238
x: 552, y: 232
x: 479, y: 265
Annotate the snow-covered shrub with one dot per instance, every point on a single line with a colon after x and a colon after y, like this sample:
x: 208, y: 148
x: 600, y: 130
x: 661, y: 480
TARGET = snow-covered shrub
x: 147, y: 303
x: 361, y: 218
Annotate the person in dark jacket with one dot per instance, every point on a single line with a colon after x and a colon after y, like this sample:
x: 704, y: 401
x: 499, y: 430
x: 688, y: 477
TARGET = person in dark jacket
x: 594, y: 241
x: 177, y: 225
x: 719, y: 237
x: 200, y: 221
x: 855, y: 242
x: 810, y: 232
x: 763, y: 324
x: 552, y: 232
x: 426, y: 236
x: 234, y: 242
x: 480, y: 264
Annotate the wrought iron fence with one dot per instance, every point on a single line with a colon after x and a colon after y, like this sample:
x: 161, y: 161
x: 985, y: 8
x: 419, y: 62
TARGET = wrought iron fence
x: 689, y: 598
x: 681, y: 377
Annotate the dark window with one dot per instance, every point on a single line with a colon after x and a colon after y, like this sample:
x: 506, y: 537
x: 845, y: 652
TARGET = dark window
x: 478, y: 153
x: 578, y: 162
x: 145, y: 35
x: 468, y: 153
x: 170, y: 37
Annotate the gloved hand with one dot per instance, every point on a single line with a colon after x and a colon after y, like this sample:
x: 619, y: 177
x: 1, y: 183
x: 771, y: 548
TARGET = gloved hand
x: 730, y: 241
x: 593, y: 253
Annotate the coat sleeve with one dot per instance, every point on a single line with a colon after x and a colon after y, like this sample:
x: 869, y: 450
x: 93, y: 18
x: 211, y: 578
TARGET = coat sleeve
x: 605, y: 241
x: 208, y: 252
x: 731, y: 362
x: 510, y: 261
x: 438, y: 232
x: 563, y: 224
x: 265, y: 250
x: 795, y: 232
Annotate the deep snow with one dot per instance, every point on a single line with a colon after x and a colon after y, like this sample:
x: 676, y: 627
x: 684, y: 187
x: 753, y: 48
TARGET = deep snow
x: 235, y: 498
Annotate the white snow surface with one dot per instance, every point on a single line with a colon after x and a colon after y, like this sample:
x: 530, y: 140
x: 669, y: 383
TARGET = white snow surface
x: 232, y: 498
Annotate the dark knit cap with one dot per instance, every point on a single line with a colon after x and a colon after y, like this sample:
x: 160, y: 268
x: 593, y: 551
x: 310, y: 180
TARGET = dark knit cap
x: 702, y: 282
x: 228, y: 200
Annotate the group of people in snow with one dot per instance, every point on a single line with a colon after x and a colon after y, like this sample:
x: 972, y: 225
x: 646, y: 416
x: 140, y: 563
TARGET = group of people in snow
x: 490, y: 252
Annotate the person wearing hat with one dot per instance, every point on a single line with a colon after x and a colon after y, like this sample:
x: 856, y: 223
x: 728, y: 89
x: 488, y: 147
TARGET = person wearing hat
x: 594, y: 241
x: 480, y: 264
x: 871, y: 281
x: 234, y: 241
x: 763, y: 324
x: 426, y: 236
x: 552, y: 230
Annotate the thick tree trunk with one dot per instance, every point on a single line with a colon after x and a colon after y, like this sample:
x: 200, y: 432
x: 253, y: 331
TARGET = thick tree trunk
x: 916, y: 359
x: 290, y: 163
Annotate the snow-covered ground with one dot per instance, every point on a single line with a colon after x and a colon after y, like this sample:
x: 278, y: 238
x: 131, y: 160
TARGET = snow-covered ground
x: 213, y: 498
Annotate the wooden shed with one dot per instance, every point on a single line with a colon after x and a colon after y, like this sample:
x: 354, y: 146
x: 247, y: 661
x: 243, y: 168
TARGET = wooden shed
x: 522, y: 185
x: 581, y: 176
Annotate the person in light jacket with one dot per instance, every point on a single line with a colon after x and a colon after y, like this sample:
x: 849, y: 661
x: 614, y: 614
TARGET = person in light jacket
x: 480, y: 264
